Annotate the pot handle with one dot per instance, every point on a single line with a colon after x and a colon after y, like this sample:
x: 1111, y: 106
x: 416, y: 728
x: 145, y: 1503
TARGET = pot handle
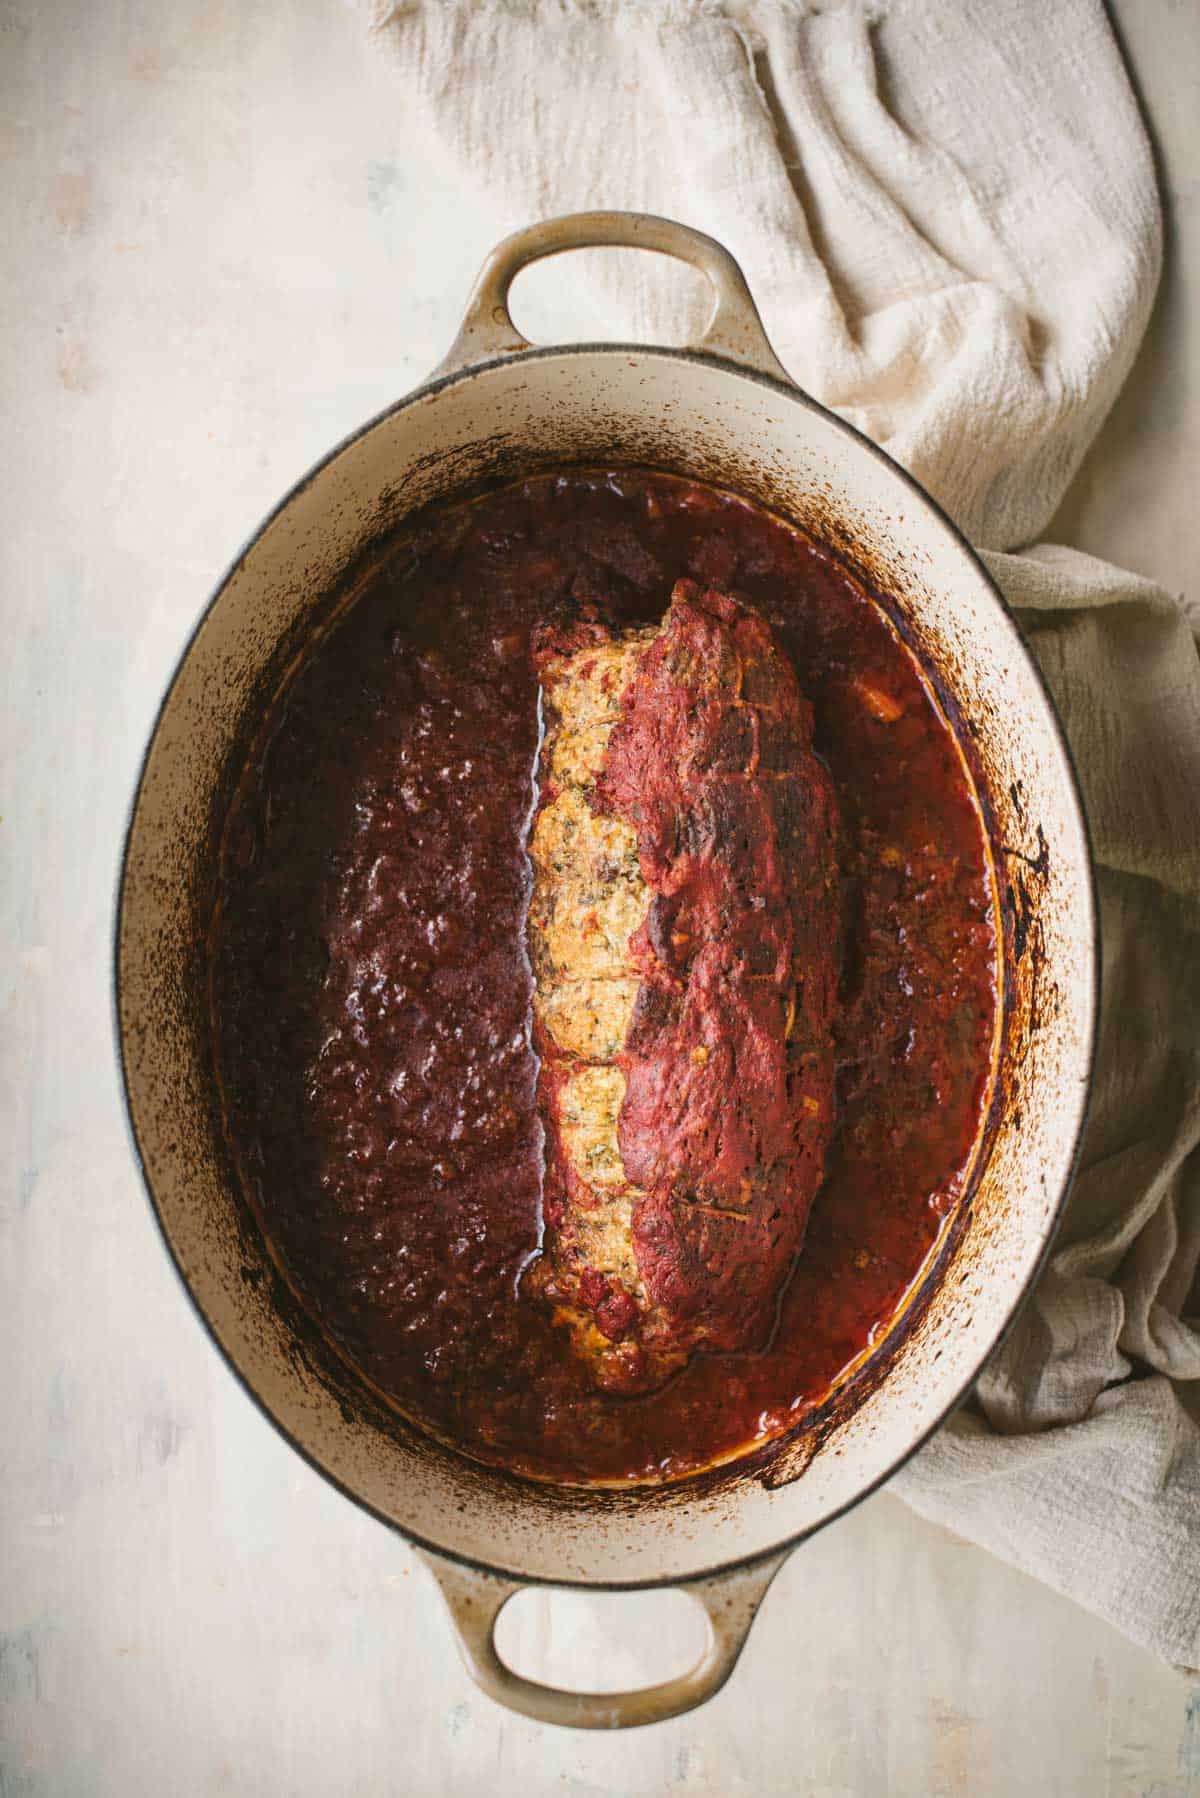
x: 475, y: 1600
x: 734, y: 331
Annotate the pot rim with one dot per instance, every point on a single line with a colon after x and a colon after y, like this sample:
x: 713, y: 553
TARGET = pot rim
x: 797, y: 396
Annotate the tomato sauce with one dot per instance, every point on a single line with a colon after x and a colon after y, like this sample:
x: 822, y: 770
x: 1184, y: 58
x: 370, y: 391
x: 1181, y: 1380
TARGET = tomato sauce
x: 372, y: 992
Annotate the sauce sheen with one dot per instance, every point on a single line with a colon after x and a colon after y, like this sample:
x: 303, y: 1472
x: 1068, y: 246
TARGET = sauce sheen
x: 372, y: 992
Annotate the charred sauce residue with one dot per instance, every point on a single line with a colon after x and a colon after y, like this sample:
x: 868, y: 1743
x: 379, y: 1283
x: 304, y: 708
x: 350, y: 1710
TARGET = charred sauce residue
x: 372, y: 992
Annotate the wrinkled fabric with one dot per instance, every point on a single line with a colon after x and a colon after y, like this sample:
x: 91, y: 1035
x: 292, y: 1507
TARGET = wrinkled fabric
x: 1079, y: 1458
x: 947, y: 213
x: 948, y: 217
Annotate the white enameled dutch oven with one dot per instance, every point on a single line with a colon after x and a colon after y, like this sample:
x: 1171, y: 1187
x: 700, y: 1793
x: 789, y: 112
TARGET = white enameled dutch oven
x: 725, y: 412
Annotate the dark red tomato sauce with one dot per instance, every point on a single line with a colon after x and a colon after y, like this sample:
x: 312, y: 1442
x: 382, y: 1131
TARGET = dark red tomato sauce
x: 372, y: 993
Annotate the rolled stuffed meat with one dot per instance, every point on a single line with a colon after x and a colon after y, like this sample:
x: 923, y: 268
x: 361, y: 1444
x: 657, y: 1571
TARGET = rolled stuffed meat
x: 684, y: 933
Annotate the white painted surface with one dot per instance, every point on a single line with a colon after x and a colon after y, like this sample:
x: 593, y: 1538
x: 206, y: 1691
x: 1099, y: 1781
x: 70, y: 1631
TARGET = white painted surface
x: 225, y: 246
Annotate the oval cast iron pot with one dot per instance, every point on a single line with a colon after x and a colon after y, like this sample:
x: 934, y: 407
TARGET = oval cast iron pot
x: 723, y: 411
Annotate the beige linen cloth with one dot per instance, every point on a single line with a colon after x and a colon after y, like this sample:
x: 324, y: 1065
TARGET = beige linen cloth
x: 948, y: 216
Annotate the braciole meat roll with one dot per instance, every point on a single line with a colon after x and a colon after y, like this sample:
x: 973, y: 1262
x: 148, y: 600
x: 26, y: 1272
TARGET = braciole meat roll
x: 684, y: 933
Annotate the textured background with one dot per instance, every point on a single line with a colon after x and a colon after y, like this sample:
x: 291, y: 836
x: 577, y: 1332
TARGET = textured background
x: 225, y: 246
